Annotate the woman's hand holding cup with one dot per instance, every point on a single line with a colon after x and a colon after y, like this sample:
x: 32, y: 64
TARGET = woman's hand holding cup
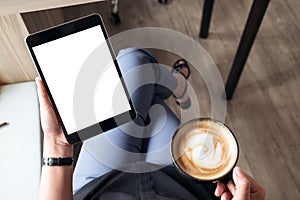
x: 243, y: 188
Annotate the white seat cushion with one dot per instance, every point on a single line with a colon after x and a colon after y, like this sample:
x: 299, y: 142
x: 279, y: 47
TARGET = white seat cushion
x: 20, y: 142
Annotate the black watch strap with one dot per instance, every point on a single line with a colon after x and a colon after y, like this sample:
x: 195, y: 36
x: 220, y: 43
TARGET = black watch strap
x: 58, y: 161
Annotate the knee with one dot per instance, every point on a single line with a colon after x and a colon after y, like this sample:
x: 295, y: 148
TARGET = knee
x: 133, y: 57
x: 137, y: 66
x: 125, y: 51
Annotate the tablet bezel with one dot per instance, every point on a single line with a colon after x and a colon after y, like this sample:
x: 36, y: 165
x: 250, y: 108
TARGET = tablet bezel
x: 63, y: 30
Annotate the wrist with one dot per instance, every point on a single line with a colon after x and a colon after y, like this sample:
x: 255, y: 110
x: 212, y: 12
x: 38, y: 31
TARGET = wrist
x: 53, y: 148
x: 57, y: 161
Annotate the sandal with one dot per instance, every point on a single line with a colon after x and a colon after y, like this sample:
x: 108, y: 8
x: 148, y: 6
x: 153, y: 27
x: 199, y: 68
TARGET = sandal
x: 180, y: 64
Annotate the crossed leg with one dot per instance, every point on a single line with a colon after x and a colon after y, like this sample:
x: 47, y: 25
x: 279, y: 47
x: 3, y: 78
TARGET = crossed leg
x: 148, y: 84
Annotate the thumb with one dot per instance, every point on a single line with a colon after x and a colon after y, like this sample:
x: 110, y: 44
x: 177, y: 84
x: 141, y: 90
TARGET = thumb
x: 242, y: 184
x: 42, y: 94
x: 40, y: 89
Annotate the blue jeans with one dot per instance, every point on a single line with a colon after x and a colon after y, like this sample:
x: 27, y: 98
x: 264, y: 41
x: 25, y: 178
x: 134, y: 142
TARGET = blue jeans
x: 150, y: 133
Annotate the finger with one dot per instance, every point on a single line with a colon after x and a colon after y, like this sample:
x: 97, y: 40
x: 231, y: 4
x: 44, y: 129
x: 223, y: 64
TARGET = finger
x: 231, y: 187
x: 42, y: 94
x: 40, y: 88
x: 226, y: 195
x: 255, y: 187
x: 242, y: 184
x: 220, y: 189
x: 258, y: 190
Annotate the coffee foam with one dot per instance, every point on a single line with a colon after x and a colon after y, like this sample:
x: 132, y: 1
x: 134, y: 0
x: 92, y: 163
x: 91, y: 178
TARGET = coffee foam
x: 204, y: 149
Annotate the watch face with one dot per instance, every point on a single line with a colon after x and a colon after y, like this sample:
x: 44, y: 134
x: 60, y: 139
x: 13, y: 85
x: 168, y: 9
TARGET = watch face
x: 51, y: 162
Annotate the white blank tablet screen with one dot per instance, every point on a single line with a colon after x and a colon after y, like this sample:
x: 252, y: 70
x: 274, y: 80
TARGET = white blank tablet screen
x: 61, y: 61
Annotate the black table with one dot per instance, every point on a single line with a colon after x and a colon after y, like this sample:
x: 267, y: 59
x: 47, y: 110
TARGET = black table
x: 253, y: 23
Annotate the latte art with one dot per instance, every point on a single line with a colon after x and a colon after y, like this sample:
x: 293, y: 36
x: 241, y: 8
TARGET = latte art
x: 204, y: 149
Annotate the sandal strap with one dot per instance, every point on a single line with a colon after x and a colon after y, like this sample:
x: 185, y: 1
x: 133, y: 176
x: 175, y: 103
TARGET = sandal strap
x: 183, y: 93
x: 186, y: 104
x: 179, y: 65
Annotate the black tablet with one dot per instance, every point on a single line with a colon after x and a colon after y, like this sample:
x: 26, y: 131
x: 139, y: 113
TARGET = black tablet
x: 77, y: 65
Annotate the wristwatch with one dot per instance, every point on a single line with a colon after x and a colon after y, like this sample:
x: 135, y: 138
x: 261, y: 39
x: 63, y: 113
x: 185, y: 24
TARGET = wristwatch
x: 58, y: 161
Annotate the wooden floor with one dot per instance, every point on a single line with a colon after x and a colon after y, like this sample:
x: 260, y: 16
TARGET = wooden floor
x: 265, y: 110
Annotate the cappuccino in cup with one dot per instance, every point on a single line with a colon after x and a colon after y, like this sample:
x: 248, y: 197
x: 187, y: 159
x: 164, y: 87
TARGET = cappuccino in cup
x: 204, y: 149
